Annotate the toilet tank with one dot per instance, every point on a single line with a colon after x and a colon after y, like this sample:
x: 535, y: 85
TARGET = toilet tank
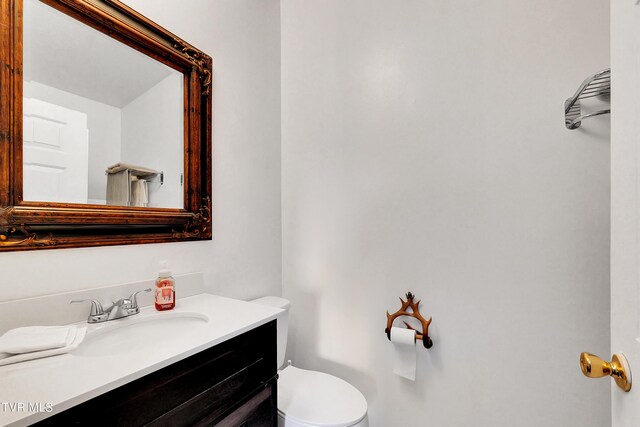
x: 283, y: 322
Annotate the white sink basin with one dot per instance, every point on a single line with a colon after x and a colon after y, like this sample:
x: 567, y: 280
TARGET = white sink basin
x: 142, y: 332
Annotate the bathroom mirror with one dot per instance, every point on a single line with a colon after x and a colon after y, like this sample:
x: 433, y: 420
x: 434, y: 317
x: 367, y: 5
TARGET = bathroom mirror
x: 107, y: 130
x: 108, y: 135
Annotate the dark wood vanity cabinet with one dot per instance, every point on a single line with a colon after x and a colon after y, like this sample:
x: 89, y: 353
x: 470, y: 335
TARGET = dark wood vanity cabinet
x: 232, y: 384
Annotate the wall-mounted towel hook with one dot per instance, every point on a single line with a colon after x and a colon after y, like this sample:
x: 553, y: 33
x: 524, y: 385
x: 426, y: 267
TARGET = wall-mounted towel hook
x: 597, y: 85
x: 159, y: 178
x: 415, y: 313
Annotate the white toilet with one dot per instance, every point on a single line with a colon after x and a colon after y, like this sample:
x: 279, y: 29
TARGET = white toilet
x: 311, y: 398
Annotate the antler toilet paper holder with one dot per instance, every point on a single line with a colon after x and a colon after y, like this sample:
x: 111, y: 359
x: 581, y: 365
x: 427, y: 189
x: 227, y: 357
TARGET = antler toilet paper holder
x: 415, y: 313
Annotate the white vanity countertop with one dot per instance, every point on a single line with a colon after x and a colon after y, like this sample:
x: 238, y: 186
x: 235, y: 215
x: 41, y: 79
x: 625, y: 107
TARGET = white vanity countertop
x: 67, y: 380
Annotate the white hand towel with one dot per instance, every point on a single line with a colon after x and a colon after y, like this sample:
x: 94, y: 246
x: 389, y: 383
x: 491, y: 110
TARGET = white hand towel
x: 139, y: 193
x: 79, y: 335
x: 135, y: 170
x: 36, y: 338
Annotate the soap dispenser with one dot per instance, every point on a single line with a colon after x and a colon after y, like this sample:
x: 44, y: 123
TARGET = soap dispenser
x: 165, y: 292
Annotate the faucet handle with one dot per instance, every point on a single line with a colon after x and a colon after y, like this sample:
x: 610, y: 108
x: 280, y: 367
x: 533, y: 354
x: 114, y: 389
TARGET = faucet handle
x: 134, y: 298
x: 96, y: 307
x: 97, y: 312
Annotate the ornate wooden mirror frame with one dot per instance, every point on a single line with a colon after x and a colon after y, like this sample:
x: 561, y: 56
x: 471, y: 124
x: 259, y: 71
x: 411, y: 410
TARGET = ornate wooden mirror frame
x: 37, y: 225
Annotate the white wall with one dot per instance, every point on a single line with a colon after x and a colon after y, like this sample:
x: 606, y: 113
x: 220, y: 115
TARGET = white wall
x: 244, y: 258
x: 625, y: 164
x: 104, y: 124
x: 153, y: 135
x: 424, y: 149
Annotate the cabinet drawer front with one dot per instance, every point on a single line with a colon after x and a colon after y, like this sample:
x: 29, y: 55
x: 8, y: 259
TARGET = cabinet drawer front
x: 256, y: 412
x: 206, y: 410
x: 239, y: 365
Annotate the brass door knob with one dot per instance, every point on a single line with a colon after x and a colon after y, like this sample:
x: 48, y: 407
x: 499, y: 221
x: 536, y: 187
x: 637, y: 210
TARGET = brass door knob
x: 594, y: 367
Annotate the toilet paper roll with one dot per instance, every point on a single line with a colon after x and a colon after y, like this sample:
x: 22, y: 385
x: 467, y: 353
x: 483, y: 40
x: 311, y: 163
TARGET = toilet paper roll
x: 404, y: 352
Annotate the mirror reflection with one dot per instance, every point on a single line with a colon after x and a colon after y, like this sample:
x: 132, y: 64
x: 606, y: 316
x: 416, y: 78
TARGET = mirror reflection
x: 103, y: 123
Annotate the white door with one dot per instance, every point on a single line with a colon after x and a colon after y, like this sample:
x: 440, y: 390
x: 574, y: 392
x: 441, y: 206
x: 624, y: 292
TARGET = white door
x: 625, y: 198
x: 55, y: 153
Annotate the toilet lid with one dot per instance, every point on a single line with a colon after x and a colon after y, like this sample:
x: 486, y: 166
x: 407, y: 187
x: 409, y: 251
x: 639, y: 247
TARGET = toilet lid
x: 319, y: 399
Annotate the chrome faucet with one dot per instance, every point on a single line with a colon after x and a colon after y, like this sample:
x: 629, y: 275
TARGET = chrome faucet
x: 122, y: 308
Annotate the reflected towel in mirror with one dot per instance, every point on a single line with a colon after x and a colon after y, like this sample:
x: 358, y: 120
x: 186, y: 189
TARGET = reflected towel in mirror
x: 139, y: 192
x: 135, y: 170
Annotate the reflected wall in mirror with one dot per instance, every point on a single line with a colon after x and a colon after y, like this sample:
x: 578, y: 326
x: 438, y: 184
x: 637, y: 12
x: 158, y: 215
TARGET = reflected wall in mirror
x: 105, y: 131
x: 103, y: 123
